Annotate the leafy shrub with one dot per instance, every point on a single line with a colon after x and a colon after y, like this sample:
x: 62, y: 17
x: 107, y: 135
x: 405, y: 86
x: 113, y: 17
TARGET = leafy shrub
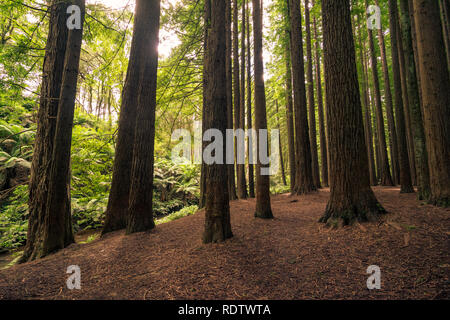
x: 187, y: 211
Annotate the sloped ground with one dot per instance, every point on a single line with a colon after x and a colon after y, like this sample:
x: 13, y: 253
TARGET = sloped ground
x: 290, y: 257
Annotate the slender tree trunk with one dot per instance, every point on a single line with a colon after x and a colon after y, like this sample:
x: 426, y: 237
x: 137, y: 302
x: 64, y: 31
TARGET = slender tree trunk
x: 368, y: 121
x: 323, y: 142
x: 118, y: 203
x: 263, y: 207
x: 240, y: 182
x: 140, y: 211
x: 445, y: 12
x: 389, y: 107
x: 351, y: 199
x: 303, y: 177
x: 251, y: 178
x: 421, y: 160
x: 311, y: 101
x: 283, y: 174
x: 231, y: 175
x: 241, y: 179
x: 52, y: 76
x: 405, y: 173
x: 217, y: 208
x: 386, y: 178
x: 407, y: 115
x: 435, y: 86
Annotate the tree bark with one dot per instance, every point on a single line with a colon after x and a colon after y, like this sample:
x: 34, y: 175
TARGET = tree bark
x: 323, y: 139
x: 231, y: 174
x: 351, y: 199
x: 118, y: 203
x: 140, y: 210
x: 405, y: 174
x: 52, y: 76
x: 304, y: 182
x: 421, y: 160
x: 251, y: 178
x: 217, y: 208
x: 385, y: 174
x: 263, y: 208
x: 435, y: 86
x: 311, y: 101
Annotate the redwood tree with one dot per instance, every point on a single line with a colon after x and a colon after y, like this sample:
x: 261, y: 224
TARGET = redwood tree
x: 351, y: 196
x: 140, y: 211
x: 217, y: 208
x: 435, y: 86
x: 263, y: 208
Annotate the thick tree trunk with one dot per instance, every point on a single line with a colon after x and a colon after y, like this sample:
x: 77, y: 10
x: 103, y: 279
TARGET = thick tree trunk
x: 386, y: 178
x: 240, y: 182
x: 46, y: 126
x: 435, y: 86
x: 217, y: 208
x: 140, y: 211
x: 405, y: 173
x: 263, y: 207
x: 311, y: 101
x: 351, y: 196
x: 231, y: 175
x: 116, y: 212
x: 251, y: 177
x: 421, y: 160
x: 304, y: 182
x: 323, y: 139
x: 389, y: 108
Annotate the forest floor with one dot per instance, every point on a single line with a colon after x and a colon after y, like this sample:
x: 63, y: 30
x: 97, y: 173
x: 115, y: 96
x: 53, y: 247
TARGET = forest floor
x: 290, y: 257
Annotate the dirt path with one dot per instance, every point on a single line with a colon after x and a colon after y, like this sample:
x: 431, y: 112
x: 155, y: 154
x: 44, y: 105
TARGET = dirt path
x: 290, y: 257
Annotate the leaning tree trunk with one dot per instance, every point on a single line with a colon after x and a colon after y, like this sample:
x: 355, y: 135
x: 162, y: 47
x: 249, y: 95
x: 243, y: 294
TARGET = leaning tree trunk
x: 116, y: 212
x: 217, y: 208
x: 421, y: 160
x: 311, y: 102
x: 263, y: 208
x: 351, y: 199
x: 405, y: 173
x: 386, y: 178
x: 304, y: 182
x: 251, y: 177
x: 435, y: 86
x: 231, y: 176
x: 323, y: 139
x: 140, y: 211
x: 46, y: 126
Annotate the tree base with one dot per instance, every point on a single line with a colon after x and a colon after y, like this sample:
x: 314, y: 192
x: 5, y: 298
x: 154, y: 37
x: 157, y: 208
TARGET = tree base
x: 266, y: 214
x: 407, y: 189
x: 339, y: 217
x: 443, y: 202
x: 217, y: 230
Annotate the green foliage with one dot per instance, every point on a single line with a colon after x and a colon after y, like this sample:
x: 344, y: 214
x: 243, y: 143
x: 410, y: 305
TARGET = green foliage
x: 187, y: 211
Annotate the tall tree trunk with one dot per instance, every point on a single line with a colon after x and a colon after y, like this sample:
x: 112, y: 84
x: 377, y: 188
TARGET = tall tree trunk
x: 263, y: 208
x: 231, y: 175
x: 311, y: 102
x: 323, y: 140
x: 389, y: 107
x: 445, y: 12
x: 52, y: 76
x: 435, y: 86
x: 351, y: 199
x: 367, y: 113
x: 405, y: 173
x: 409, y: 136
x: 240, y: 182
x: 140, y: 211
x: 303, y: 176
x: 386, y: 178
x: 421, y: 160
x: 217, y: 208
x: 241, y: 179
x: 116, y: 212
x: 251, y: 178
